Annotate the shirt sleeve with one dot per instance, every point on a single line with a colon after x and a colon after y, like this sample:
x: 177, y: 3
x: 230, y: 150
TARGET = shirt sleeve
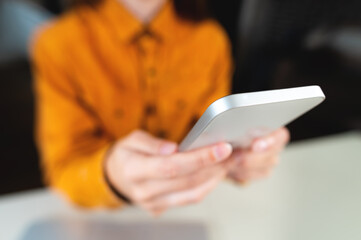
x: 70, y: 137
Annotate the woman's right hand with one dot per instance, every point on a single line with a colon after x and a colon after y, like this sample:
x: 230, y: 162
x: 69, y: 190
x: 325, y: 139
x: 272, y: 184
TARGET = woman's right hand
x: 152, y: 174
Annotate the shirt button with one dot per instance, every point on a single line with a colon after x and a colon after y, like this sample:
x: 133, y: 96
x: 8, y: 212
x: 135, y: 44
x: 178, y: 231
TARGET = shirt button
x: 162, y: 134
x: 98, y: 132
x: 150, y: 110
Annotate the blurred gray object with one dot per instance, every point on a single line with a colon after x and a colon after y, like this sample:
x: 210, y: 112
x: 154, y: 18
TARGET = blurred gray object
x: 346, y: 41
x: 61, y: 229
x: 18, y: 19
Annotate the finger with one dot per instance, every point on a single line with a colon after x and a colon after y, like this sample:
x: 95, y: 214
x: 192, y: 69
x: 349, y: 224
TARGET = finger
x: 157, y: 212
x: 278, y: 139
x: 194, y: 195
x: 144, y: 142
x: 180, y: 164
x: 247, y: 176
x: 248, y: 160
x: 248, y: 166
x: 149, y: 190
x: 256, y: 158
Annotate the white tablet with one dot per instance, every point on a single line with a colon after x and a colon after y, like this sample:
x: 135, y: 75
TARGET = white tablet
x: 240, y: 118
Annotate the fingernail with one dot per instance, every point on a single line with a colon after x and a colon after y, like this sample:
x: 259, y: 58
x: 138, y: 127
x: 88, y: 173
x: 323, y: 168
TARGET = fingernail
x: 222, y: 151
x: 167, y: 148
x: 261, y: 145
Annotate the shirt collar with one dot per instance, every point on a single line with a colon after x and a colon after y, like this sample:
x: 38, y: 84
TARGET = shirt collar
x: 166, y: 24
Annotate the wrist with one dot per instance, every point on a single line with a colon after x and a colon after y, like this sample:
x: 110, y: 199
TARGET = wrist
x: 111, y: 186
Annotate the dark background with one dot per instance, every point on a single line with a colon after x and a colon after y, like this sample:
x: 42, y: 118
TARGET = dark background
x: 276, y: 44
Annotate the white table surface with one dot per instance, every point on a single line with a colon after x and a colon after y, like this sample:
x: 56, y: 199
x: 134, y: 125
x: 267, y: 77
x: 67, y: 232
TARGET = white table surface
x: 315, y: 193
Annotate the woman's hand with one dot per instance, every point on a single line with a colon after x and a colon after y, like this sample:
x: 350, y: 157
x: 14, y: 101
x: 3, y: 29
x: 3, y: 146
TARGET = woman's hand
x: 258, y: 161
x: 151, y: 172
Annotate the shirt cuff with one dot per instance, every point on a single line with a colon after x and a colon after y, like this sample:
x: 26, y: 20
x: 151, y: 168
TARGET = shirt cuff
x: 109, y: 197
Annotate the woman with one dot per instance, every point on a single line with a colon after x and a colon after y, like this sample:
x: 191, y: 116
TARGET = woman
x: 119, y: 83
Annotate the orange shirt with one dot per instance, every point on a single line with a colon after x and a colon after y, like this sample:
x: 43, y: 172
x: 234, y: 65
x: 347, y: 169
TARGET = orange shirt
x: 100, y: 74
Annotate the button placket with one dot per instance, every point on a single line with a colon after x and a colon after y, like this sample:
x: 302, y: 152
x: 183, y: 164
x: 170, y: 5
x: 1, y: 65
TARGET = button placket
x: 147, y: 44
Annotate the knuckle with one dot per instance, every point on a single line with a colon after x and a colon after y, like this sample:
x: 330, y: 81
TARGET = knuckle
x: 137, y: 134
x: 200, y: 160
x: 203, y: 159
x: 209, y: 156
x: 192, y: 181
x: 168, y: 169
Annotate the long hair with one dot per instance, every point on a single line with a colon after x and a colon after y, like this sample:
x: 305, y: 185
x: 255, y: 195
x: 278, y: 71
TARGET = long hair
x: 194, y: 10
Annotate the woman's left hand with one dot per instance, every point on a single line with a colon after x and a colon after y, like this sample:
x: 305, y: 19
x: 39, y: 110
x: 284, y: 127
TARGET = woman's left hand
x: 259, y: 159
